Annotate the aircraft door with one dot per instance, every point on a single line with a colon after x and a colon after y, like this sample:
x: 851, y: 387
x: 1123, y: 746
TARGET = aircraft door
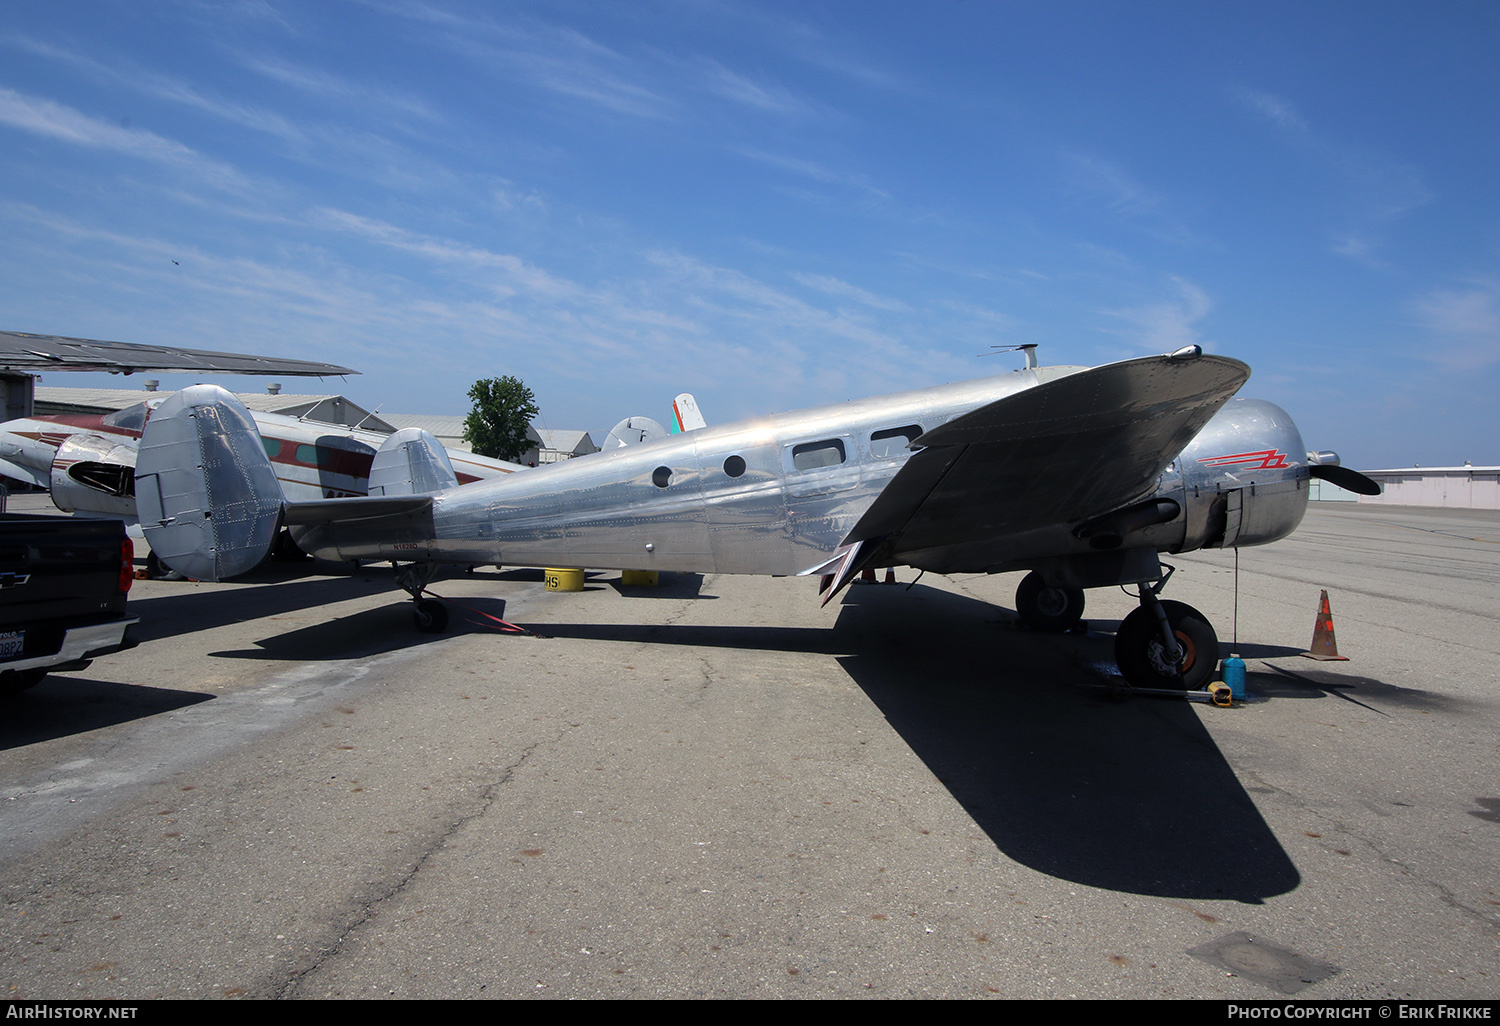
x: 744, y: 505
x: 824, y: 500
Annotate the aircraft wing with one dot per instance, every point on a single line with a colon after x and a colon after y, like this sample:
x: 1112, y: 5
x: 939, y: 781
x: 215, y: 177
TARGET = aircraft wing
x: 23, y: 352
x: 1059, y: 453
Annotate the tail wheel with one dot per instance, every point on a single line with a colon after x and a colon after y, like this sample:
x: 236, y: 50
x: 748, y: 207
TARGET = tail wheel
x: 1140, y: 650
x: 1045, y: 608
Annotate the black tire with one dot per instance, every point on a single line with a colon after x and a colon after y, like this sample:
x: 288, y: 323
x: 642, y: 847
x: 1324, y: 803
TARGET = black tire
x: 20, y: 680
x: 430, y: 616
x: 156, y: 570
x: 1138, y: 648
x: 1046, y: 608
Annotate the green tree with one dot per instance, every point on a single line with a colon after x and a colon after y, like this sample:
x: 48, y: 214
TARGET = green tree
x: 503, y: 410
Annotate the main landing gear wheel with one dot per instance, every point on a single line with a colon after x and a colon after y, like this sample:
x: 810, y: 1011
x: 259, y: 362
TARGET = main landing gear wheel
x: 430, y: 616
x: 1045, y: 608
x: 1140, y: 648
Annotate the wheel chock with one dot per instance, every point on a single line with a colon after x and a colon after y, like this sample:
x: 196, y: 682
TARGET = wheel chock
x: 1324, y: 647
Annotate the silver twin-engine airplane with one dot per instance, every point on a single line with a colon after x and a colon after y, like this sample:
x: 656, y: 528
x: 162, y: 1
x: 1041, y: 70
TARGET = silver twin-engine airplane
x: 1084, y: 477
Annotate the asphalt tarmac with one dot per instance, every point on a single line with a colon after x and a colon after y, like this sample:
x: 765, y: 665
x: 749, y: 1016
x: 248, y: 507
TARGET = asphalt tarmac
x: 714, y: 788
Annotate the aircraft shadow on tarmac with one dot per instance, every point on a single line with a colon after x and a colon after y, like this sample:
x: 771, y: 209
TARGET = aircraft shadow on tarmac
x: 287, y: 588
x: 1307, y: 681
x: 1130, y: 796
x: 61, y: 706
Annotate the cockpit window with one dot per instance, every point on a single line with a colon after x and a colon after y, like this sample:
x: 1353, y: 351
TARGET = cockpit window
x: 812, y: 455
x: 894, y: 441
x: 131, y: 418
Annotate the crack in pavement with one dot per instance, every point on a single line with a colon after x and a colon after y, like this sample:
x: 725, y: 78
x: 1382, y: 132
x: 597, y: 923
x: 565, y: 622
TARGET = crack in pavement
x: 368, y: 909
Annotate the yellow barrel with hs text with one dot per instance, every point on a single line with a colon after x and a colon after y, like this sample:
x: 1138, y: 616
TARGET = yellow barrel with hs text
x: 562, y: 579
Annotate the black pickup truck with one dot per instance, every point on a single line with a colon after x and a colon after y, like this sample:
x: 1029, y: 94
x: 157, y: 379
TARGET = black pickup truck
x: 63, y: 582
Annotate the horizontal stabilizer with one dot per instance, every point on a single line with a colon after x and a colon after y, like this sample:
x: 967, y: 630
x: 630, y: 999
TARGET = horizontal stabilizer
x: 337, y: 511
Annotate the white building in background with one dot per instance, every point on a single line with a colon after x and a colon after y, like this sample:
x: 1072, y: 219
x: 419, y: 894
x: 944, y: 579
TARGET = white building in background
x: 556, y: 446
x: 547, y: 446
x: 1462, y: 487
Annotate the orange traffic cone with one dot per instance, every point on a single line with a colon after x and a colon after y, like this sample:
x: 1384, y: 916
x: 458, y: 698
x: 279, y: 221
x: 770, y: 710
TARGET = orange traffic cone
x: 890, y: 575
x: 1323, y: 645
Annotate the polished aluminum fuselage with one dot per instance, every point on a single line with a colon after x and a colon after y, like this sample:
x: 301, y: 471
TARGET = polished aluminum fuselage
x: 772, y: 496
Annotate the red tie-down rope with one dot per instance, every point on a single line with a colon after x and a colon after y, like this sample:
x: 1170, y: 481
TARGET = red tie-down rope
x: 504, y: 624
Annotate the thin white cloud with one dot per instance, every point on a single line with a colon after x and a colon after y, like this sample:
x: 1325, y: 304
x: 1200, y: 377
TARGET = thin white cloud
x: 332, y: 88
x: 843, y: 290
x: 518, y: 274
x: 559, y: 60
x: 739, y: 89
x: 1375, y: 188
x: 164, y: 87
x: 1281, y: 113
x: 1464, y: 325
x: 814, y: 171
x: 1170, y: 324
x: 53, y: 120
x: 1112, y: 183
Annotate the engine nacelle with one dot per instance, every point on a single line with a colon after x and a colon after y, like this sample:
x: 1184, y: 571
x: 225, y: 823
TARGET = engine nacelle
x: 1241, y: 481
x: 94, y: 474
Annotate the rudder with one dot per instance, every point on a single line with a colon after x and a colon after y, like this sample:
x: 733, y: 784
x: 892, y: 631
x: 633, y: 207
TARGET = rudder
x: 206, y: 494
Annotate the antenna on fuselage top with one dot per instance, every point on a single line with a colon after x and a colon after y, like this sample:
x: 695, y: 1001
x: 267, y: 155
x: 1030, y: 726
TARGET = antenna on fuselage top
x: 1029, y: 348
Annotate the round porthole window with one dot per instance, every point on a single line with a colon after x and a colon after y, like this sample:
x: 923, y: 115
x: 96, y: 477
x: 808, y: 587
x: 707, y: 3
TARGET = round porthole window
x: 661, y: 476
x: 734, y: 466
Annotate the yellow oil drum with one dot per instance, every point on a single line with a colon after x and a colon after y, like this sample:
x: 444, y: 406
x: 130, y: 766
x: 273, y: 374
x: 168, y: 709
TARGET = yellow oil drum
x: 562, y: 579
x: 638, y: 578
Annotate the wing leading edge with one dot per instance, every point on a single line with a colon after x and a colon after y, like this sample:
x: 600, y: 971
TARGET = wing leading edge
x: 1059, y: 453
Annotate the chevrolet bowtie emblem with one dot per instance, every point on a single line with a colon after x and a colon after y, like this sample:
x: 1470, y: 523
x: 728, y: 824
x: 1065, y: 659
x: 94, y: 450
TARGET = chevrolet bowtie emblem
x: 13, y: 580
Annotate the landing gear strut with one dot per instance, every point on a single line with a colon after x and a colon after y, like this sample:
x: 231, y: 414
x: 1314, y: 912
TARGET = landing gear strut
x: 1045, y: 608
x: 1166, y: 644
x: 429, y: 615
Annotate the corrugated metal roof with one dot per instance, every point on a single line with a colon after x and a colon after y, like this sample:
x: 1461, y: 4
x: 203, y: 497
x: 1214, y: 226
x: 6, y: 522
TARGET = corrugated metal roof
x: 577, y: 442
x: 324, y: 409
x: 1434, y: 470
x: 442, y: 425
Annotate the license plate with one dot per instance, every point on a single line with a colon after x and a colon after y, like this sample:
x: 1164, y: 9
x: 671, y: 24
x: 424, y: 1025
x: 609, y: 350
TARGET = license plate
x: 12, y: 643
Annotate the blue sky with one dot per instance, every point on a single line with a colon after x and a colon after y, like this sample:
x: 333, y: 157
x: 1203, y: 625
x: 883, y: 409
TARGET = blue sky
x: 772, y: 205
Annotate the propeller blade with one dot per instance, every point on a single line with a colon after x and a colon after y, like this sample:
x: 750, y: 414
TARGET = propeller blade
x: 1352, y: 480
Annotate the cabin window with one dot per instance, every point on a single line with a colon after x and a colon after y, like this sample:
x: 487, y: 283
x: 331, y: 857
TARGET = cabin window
x: 734, y: 466
x: 894, y: 441
x: 661, y: 476
x: 272, y: 447
x: 813, y: 455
